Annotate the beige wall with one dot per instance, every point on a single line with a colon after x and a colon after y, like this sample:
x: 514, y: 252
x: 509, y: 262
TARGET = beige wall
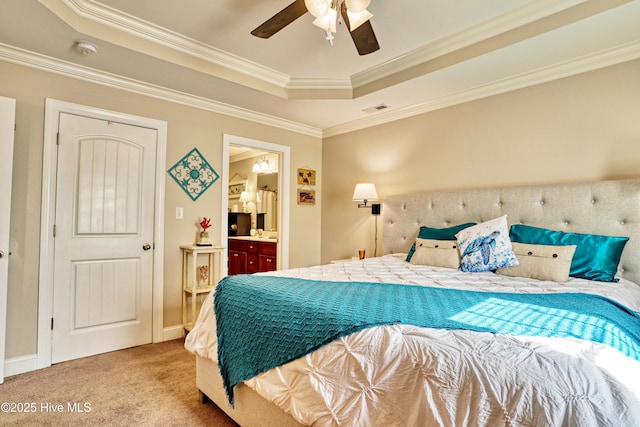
x: 581, y: 128
x: 187, y: 128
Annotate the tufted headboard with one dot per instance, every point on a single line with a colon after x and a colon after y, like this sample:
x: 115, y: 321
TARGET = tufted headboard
x: 609, y: 208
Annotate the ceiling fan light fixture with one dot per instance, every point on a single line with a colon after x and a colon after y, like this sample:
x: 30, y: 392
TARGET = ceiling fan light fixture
x: 358, y: 18
x: 328, y: 21
x: 327, y: 15
x: 317, y: 8
x: 356, y: 6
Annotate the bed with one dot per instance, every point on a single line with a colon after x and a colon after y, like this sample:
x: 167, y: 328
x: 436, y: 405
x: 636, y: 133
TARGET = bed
x: 397, y: 373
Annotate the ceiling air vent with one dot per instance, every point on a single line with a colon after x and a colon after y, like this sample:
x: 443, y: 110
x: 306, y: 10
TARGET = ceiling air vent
x: 376, y: 108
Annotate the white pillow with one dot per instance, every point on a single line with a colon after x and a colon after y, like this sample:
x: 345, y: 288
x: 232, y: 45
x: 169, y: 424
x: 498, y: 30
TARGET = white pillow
x: 437, y: 253
x: 486, y: 246
x: 541, y: 262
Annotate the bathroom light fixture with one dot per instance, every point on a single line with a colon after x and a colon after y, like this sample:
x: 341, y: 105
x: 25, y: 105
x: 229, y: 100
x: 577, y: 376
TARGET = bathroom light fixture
x: 256, y: 167
x: 264, y: 166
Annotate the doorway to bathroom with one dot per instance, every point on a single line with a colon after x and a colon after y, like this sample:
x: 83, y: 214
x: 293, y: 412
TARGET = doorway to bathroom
x: 256, y: 205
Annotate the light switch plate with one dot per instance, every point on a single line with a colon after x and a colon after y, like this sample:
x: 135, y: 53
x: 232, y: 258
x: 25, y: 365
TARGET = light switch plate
x: 179, y: 213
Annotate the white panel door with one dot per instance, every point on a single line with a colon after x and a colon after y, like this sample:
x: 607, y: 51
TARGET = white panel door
x: 102, y: 294
x: 7, y: 125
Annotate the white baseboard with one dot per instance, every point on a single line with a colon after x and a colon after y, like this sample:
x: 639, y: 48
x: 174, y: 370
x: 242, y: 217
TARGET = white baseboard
x: 20, y: 365
x: 28, y: 363
x: 172, y: 333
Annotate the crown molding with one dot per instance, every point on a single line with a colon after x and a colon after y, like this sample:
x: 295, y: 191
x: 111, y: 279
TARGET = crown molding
x: 67, y: 69
x: 623, y: 53
x: 620, y: 54
x: 500, y: 24
x: 334, y: 83
x: 521, y: 24
x: 117, y: 27
x: 310, y: 88
x: 111, y: 24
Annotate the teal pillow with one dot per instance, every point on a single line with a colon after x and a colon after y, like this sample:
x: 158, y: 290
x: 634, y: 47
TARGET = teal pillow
x: 596, y: 257
x: 448, y: 233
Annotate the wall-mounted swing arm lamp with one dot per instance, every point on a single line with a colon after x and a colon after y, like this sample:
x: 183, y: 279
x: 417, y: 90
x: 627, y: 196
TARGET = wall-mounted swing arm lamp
x: 367, y: 193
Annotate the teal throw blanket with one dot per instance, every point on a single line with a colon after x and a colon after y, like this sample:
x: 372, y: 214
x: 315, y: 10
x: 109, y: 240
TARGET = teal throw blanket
x: 265, y: 321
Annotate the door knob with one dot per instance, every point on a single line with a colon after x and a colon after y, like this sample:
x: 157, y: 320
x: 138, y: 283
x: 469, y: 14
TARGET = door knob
x: 1, y: 254
x: 146, y: 246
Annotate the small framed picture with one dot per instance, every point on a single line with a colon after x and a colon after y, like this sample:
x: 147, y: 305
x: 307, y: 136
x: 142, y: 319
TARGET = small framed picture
x: 236, y: 188
x: 306, y: 196
x: 306, y: 177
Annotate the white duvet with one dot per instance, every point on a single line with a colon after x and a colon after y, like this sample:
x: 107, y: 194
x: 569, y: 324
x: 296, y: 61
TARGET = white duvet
x: 402, y: 375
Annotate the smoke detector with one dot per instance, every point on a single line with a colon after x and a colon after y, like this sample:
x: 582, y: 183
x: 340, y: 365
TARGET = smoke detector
x: 86, y: 47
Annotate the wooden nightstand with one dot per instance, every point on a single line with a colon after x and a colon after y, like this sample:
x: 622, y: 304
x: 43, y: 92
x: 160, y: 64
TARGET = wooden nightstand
x: 191, y: 277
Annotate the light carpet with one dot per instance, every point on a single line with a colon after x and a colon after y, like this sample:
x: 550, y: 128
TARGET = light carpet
x: 150, y: 385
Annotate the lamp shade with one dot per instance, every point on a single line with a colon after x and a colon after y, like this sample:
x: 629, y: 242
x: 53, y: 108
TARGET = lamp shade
x: 365, y: 192
x: 244, y: 196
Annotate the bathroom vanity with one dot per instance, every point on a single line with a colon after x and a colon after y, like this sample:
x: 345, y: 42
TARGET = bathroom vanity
x: 249, y: 254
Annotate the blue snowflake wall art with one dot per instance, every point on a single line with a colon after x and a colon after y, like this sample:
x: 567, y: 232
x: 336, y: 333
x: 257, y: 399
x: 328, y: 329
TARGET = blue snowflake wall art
x: 194, y: 174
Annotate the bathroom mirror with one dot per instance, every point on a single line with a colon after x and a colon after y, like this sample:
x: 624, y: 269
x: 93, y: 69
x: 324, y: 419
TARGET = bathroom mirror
x: 259, y: 170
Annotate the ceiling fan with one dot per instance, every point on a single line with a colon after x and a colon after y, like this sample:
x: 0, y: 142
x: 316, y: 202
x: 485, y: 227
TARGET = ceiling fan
x: 352, y: 12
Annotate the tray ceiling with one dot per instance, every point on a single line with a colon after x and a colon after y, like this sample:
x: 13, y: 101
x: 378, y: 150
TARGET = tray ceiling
x: 433, y: 53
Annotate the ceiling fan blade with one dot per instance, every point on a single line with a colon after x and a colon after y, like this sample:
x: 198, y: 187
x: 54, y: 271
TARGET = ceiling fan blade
x: 280, y: 20
x: 363, y: 37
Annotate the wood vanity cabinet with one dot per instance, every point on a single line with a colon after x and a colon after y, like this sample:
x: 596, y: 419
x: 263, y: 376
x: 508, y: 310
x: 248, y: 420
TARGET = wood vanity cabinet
x: 267, y: 256
x: 250, y: 256
x: 237, y: 257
